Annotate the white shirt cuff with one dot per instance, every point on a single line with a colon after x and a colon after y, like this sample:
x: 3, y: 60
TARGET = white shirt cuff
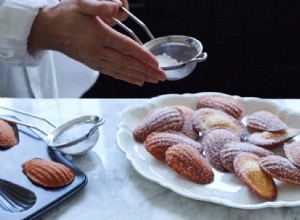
x: 16, y: 19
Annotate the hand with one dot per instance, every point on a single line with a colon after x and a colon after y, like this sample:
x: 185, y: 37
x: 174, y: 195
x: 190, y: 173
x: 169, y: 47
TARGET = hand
x: 107, y: 17
x: 80, y: 29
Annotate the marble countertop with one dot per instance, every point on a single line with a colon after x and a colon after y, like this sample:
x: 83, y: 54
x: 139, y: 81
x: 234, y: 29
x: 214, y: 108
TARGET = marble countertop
x: 115, y: 190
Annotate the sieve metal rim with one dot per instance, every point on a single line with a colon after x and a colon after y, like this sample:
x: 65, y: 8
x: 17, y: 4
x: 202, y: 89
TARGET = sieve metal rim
x: 96, y: 120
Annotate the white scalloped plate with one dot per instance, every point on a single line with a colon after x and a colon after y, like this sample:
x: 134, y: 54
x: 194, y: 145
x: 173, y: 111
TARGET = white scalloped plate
x: 226, y: 189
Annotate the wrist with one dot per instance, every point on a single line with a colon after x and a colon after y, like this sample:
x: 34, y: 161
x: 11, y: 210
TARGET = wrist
x: 39, y: 34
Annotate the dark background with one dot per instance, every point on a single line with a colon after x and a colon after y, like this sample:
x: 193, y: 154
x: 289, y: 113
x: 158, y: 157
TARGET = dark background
x: 252, y: 45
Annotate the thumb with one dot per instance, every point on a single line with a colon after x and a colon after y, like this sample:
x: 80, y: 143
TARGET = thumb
x: 103, y: 9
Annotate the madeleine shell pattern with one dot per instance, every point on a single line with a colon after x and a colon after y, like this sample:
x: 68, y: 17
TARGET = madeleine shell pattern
x: 48, y: 173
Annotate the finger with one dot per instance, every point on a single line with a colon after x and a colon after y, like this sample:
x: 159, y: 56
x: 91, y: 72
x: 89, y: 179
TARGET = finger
x: 116, y: 75
x: 124, y: 3
x: 115, y: 56
x: 108, y: 21
x: 128, y: 46
x: 103, y: 9
x: 121, y: 16
x: 126, y: 71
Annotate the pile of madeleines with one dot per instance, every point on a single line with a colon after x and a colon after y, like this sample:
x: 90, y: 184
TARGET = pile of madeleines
x: 43, y: 172
x: 218, y: 135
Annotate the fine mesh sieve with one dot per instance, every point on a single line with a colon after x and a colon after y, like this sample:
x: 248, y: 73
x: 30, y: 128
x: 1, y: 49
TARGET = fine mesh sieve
x: 74, y: 137
x: 185, y: 50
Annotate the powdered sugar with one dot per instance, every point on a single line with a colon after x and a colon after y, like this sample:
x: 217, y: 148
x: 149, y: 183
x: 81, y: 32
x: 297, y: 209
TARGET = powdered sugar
x: 165, y: 60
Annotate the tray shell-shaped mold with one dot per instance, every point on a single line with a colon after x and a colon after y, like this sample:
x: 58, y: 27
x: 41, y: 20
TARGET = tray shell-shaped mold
x: 15, y: 198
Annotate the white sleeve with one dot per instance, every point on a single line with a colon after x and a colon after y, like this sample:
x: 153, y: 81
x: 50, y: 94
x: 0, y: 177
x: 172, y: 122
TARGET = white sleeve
x: 16, y: 19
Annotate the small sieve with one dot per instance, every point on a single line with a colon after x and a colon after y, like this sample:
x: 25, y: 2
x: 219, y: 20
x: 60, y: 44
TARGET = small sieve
x: 75, y: 137
x: 183, y: 51
x: 186, y: 51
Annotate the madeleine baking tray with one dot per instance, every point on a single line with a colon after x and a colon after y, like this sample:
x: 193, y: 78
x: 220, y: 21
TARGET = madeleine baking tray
x: 32, y: 146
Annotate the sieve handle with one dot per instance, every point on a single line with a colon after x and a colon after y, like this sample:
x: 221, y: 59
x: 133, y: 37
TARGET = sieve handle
x: 22, y: 123
x: 128, y: 30
x: 77, y: 140
x: 95, y: 127
x: 202, y: 57
x: 138, y: 21
x: 28, y: 114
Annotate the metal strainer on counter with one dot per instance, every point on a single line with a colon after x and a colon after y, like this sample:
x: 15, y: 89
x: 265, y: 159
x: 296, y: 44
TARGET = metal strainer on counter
x: 75, y: 137
x: 176, y: 54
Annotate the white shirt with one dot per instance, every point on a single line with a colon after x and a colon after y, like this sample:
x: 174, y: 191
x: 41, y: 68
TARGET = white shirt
x: 48, y: 75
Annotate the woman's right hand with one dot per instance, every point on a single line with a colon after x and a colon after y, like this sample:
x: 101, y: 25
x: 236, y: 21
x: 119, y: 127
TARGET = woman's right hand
x: 81, y: 30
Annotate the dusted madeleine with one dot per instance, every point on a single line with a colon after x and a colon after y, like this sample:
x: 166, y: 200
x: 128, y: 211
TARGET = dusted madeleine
x: 231, y: 150
x: 207, y: 118
x: 269, y: 140
x: 159, y: 119
x: 8, y: 137
x: 265, y: 121
x: 214, y: 141
x: 48, y: 173
x: 186, y: 110
x: 226, y: 104
x: 292, y: 152
x: 188, y: 162
x: 280, y: 168
x: 187, y: 128
x: 246, y: 166
x: 158, y: 142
